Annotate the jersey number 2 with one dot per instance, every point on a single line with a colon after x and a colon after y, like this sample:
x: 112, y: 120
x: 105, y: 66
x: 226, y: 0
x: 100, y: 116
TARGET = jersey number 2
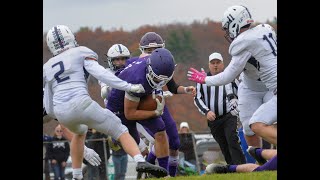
x: 267, y: 38
x: 56, y: 75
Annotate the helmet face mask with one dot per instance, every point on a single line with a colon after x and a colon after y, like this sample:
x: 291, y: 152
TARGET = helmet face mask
x: 156, y: 81
x: 60, y: 38
x: 234, y: 18
x: 117, y: 51
x: 150, y: 41
x: 160, y: 68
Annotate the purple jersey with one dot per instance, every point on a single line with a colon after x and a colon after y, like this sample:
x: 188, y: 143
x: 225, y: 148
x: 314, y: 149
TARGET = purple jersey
x: 134, y: 73
x: 174, y: 141
x: 129, y: 61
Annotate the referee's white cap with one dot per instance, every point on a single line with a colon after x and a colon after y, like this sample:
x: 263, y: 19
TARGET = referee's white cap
x: 215, y: 55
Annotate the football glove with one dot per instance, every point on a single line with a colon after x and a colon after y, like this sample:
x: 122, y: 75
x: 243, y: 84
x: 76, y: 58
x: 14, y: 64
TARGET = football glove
x: 137, y: 88
x: 233, y: 104
x: 196, y: 76
x: 91, y: 156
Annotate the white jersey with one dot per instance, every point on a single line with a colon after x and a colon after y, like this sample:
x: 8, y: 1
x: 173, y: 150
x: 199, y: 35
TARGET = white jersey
x: 256, y: 46
x: 261, y: 42
x: 250, y: 78
x: 65, y: 76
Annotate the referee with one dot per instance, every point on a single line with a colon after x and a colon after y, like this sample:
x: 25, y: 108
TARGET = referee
x: 219, y: 105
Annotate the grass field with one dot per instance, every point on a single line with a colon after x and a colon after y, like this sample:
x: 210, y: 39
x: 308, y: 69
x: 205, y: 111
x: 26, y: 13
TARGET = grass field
x: 264, y: 175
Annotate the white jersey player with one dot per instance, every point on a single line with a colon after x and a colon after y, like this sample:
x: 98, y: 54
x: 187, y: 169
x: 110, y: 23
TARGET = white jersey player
x: 67, y: 99
x: 257, y: 45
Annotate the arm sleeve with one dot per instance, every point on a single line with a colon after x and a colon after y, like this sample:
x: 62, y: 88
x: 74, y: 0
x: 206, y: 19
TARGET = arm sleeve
x: 173, y: 86
x: 199, y: 100
x: 105, y: 76
x: 235, y: 67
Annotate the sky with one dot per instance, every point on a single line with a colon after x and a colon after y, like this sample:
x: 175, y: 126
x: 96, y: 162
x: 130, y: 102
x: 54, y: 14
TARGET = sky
x: 131, y: 14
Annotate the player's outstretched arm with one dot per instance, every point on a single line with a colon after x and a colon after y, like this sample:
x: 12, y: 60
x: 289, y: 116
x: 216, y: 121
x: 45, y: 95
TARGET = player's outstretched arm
x: 99, y: 72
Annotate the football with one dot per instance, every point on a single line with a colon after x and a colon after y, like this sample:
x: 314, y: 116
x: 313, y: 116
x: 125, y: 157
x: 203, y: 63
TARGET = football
x: 148, y: 103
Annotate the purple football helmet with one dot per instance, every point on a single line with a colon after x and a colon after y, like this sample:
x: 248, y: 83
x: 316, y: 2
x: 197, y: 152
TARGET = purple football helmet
x: 151, y: 40
x: 160, y: 68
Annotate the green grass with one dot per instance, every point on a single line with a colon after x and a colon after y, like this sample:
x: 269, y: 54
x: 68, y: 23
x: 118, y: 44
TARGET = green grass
x: 264, y: 175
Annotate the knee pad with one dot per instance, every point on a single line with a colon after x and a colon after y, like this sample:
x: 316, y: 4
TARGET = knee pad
x: 80, y: 129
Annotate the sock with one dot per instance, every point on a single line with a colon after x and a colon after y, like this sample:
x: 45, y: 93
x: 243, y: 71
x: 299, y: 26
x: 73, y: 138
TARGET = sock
x: 77, y: 173
x: 173, y: 165
x: 269, y: 166
x: 232, y: 168
x: 139, y: 158
x: 164, y: 162
x: 258, y: 152
x: 151, y: 156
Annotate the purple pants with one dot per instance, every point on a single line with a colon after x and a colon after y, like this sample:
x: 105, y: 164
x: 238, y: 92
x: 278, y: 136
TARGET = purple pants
x: 152, y: 125
x: 171, y: 129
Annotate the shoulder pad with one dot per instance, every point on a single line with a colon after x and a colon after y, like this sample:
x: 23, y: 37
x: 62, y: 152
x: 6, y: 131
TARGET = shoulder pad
x: 240, y: 43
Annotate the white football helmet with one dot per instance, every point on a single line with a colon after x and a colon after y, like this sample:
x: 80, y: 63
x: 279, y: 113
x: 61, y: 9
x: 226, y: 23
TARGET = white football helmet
x: 59, y: 39
x: 115, y: 51
x: 234, y: 18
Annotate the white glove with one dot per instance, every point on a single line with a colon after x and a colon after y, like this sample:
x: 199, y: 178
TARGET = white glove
x: 167, y: 94
x: 104, y: 92
x: 137, y: 88
x: 233, y: 104
x: 160, y: 106
x: 91, y: 156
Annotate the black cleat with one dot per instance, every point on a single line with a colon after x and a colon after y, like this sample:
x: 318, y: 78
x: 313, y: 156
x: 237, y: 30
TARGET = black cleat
x: 217, y: 168
x: 156, y: 171
x: 252, y: 151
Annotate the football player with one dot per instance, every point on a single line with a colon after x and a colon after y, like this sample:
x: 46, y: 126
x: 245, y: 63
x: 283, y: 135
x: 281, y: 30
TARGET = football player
x: 256, y: 46
x: 153, y: 72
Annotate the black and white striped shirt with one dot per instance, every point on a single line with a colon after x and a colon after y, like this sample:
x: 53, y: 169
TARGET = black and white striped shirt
x: 215, y: 98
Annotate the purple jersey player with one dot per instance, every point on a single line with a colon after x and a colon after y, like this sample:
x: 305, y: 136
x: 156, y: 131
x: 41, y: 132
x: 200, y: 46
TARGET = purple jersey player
x: 153, y: 72
x: 269, y: 155
x: 148, y: 43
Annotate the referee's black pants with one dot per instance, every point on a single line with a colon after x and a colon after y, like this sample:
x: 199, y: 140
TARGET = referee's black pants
x: 224, y: 131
